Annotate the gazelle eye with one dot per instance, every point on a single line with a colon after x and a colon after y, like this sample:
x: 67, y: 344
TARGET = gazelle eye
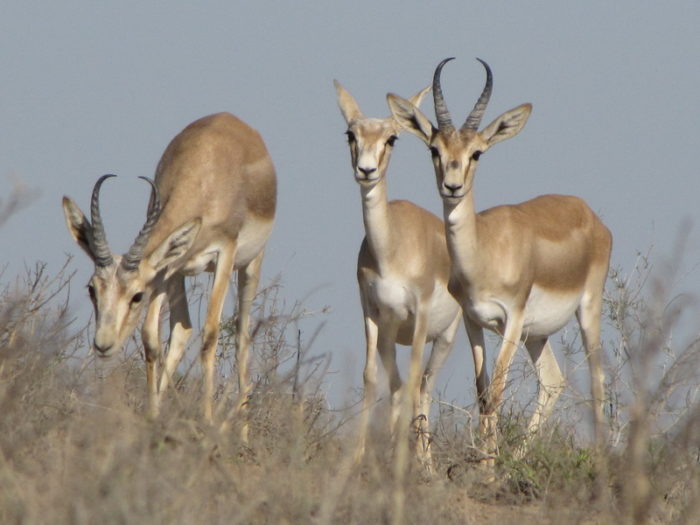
x: 434, y: 151
x: 392, y: 140
x: 91, y: 292
x: 136, y: 299
x: 476, y: 155
x: 351, y: 136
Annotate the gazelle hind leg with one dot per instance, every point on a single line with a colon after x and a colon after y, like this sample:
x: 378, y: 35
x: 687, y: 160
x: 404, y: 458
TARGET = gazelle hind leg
x: 248, y: 279
x: 550, y: 381
x: 589, y: 314
x: 222, y: 275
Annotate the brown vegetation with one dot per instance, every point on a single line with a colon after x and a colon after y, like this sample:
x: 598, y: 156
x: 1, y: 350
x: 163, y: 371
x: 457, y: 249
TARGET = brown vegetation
x: 76, y: 447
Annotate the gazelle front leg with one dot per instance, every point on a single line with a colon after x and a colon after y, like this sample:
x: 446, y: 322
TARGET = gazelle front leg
x: 488, y: 422
x: 180, y: 329
x: 409, y: 402
x: 441, y: 349
x: 369, y: 378
x: 248, y: 279
x: 224, y: 266
x: 476, y: 340
x: 150, y: 335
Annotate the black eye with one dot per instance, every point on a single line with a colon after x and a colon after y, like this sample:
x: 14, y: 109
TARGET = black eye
x: 351, y: 136
x: 434, y: 152
x: 476, y: 155
x: 91, y: 291
x: 392, y: 140
x: 136, y: 299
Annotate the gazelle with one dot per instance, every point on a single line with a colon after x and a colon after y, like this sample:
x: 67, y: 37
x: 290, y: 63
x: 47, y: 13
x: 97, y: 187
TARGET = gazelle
x: 212, y: 208
x: 520, y: 270
x: 402, y: 272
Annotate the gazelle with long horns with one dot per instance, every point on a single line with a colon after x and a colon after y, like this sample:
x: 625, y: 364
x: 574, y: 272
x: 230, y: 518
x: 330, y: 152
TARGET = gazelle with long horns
x: 402, y: 272
x: 520, y: 270
x: 212, y: 209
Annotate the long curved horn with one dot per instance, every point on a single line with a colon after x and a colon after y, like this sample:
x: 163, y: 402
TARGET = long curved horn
x: 100, y: 248
x: 474, y: 118
x: 441, y: 113
x: 131, y: 260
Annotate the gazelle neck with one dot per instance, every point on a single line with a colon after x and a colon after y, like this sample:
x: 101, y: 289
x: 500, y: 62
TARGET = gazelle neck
x: 375, y: 214
x: 462, y: 234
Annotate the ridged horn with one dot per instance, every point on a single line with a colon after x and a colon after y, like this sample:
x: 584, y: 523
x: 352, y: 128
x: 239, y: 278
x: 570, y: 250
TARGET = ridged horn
x: 131, y: 260
x: 441, y: 113
x: 474, y: 118
x: 100, y: 248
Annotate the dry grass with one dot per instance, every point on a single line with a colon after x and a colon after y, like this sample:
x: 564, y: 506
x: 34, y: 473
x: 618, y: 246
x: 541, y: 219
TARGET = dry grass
x: 75, y: 446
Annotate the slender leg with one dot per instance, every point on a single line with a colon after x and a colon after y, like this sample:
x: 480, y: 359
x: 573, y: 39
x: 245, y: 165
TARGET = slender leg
x: 386, y: 345
x: 551, y: 380
x: 369, y: 377
x: 441, y: 349
x: 588, y: 315
x: 150, y: 335
x: 180, y: 329
x: 476, y: 340
x: 489, y: 420
x: 409, y: 399
x: 411, y: 405
x: 248, y: 279
x: 224, y: 266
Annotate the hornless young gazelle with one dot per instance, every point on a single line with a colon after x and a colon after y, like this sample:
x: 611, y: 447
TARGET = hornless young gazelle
x: 402, y: 272
x: 212, y: 208
x: 520, y: 270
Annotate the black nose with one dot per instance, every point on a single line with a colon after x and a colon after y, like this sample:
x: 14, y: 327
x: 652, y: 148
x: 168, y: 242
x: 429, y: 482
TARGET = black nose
x: 367, y: 171
x: 101, y: 350
x: 453, y: 187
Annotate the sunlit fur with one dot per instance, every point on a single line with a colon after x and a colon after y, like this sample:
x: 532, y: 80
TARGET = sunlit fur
x: 402, y: 272
x: 218, y: 192
x: 520, y: 270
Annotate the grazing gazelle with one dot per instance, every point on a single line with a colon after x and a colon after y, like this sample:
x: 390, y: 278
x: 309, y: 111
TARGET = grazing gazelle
x: 402, y: 272
x: 212, y: 208
x: 520, y: 270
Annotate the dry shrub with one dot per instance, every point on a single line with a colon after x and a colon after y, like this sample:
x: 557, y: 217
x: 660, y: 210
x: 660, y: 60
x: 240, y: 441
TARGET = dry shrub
x: 75, y: 446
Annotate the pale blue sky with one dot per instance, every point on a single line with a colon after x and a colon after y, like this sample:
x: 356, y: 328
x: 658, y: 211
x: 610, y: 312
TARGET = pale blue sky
x: 91, y: 88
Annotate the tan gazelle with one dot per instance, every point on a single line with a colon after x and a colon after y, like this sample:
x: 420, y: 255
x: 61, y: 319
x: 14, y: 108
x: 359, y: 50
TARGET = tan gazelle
x: 520, y: 270
x: 212, y: 208
x: 402, y: 272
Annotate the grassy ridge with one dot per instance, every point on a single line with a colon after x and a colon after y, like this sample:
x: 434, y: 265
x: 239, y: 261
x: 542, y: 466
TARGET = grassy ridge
x: 75, y: 446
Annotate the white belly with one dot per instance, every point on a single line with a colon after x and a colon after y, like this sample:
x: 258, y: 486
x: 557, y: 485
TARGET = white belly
x: 547, y: 311
x: 394, y: 298
x: 251, y: 240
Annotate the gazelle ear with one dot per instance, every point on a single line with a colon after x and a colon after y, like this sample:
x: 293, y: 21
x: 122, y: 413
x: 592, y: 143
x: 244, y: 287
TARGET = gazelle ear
x: 348, y: 106
x: 507, y: 125
x: 78, y: 225
x: 418, y: 97
x: 175, y: 245
x: 410, y: 117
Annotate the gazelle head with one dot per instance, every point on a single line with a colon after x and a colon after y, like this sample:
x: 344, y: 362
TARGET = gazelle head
x: 456, y: 152
x: 121, y: 285
x: 370, y: 139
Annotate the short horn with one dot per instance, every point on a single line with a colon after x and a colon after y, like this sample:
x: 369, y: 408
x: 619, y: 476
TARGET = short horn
x: 100, y: 248
x: 474, y: 118
x: 441, y: 113
x: 131, y: 260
